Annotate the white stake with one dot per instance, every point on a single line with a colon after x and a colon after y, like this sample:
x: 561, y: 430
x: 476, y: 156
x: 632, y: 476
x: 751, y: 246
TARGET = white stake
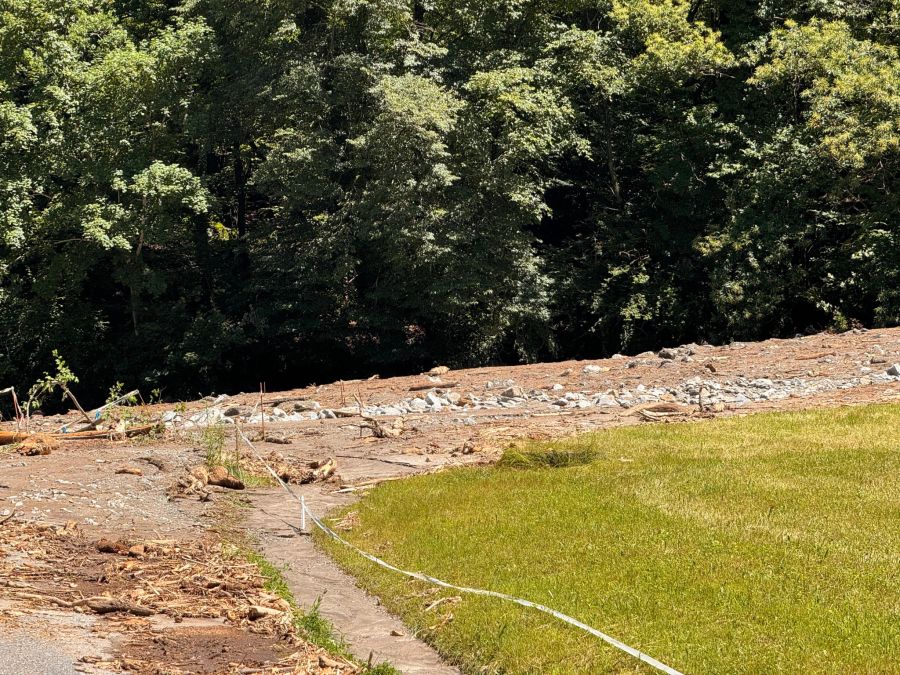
x: 303, y: 514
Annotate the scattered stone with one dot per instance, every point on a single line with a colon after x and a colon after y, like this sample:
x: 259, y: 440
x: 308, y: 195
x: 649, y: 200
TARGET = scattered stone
x: 513, y: 392
x: 594, y: 370
x: 231, y: 411
x: 668, y: 353
x: 346, y: 412
x: 894, y: 370
x: 418, y: 405
x: 257, y: 612
x: 433, y: 400
x: 306, y: 406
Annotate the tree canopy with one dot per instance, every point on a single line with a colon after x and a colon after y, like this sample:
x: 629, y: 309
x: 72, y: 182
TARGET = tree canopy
x: 203, y: 194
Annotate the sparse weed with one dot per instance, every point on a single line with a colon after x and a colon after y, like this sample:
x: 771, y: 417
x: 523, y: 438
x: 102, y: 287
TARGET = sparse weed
x: 212, y: 440
x: 310, y: 623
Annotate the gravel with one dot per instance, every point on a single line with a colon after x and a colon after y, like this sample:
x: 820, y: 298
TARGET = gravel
x: 20, y: 654
x: 504, y: 394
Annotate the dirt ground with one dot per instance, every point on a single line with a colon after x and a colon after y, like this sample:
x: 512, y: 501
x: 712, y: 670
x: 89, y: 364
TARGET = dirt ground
x: 193, y: 599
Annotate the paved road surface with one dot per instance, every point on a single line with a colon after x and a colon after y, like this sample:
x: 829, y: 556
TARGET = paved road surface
x: 22, y: 655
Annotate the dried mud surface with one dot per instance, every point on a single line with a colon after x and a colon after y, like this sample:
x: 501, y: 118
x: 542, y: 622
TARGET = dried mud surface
x: 66, y: 501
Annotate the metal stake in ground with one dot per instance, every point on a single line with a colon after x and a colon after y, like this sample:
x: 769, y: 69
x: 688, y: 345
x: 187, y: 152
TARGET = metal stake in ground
x: 303, y: 514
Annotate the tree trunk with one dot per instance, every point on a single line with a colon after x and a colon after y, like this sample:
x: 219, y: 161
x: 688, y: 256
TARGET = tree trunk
x: 201, y: 250
x: 240, y: 187
x: 615, y: 187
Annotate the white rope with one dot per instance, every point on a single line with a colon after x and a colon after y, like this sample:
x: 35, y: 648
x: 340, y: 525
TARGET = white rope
x: 645, y: 658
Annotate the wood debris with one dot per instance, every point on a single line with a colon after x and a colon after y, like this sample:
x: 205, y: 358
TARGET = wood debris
x: 10, y: 437
x: 434, y: 385
x: 179, y: 579
x: 221, y: 477
x: 37, y: 444
x: 192, y: 482
x: 658, y: 411
x: 292, y: 471
x: 380, y: 429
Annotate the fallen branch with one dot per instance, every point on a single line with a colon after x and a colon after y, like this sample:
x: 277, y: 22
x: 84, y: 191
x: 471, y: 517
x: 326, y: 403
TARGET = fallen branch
x: 44, y: 598
x: 434, y: 385
x: 96, y: 413
x: 158, y: 463
x: 381, y: 459
x: 9, y: 437
x: 104, y: 605
x: 812, y: 357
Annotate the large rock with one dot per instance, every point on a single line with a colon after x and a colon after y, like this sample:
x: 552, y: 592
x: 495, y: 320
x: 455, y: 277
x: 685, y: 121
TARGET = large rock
x: 418, y: 405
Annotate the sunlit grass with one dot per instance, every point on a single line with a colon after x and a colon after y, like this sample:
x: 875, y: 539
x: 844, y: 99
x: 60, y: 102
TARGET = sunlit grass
x: 769, y: 543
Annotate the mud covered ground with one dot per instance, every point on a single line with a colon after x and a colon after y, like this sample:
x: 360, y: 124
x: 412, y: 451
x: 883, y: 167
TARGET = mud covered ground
x: 60, y: 505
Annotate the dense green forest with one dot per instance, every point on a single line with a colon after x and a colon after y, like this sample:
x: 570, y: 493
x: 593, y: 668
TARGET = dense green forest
x: 201, y: 194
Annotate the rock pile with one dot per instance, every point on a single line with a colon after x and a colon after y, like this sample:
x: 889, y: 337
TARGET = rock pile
x: 731, y: 392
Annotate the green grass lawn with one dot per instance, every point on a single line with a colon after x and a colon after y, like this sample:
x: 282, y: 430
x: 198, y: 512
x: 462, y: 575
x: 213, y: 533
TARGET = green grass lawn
x: 768, y: 543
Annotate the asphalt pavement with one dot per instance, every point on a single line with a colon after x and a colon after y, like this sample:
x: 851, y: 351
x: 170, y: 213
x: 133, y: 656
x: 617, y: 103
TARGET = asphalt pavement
x: 24, y: 655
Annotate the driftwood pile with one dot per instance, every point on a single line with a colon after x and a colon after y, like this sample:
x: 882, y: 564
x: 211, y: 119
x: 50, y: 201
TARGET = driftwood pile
x: 43, y: 443
x: 291, y: 470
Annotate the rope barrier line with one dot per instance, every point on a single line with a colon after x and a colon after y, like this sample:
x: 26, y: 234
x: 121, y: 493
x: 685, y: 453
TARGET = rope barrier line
x: 645, y: 658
